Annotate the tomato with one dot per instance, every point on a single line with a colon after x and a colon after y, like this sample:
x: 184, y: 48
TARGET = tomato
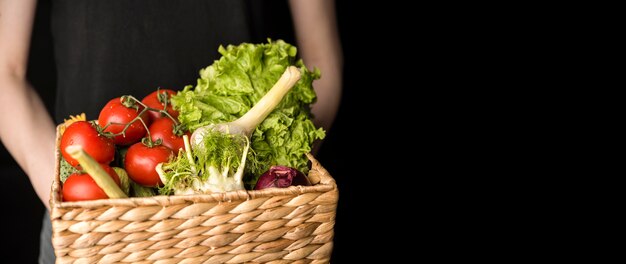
x: 156, y: 100
x: 115, y: 112
x: 141, y: 161
x: 82, y: 133
x: 81, y: 187
x: 163, y: 128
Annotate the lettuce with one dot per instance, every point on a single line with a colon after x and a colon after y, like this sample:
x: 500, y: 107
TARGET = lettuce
x: 229, y: 87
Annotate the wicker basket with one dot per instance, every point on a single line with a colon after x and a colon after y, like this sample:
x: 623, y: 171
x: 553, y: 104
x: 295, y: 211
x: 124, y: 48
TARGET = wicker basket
x: 291, y: 225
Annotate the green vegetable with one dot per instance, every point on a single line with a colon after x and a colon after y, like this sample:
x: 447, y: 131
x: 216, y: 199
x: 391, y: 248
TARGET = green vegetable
x: 65, y: 170
x: 228, y: 88
x: 141, y: 191
x: 211, y: 165
x: 217, y: 167
x: 124, y: 179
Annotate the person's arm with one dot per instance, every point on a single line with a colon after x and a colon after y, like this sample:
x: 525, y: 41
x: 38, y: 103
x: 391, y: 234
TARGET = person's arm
x: 319, y: 46
x: 26, y: 128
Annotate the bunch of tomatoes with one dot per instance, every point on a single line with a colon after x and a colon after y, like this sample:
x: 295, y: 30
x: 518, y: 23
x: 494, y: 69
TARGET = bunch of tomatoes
x: 149, y: 129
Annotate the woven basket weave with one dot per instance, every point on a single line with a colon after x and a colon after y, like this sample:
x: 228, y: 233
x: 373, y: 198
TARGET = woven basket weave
x: 291, y: 225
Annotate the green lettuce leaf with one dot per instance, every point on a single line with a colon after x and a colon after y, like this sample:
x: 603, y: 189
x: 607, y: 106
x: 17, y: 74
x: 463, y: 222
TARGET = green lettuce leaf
x: 65, y: 170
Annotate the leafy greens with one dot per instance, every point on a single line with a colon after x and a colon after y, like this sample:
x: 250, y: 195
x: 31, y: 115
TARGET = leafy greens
x: 229, y: 87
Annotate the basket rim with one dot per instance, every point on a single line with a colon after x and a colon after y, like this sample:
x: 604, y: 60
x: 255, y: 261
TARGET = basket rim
x: 326, y: 183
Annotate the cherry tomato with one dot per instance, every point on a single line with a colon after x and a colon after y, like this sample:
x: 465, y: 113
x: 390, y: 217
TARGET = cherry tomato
x: 81, y: 187
x: 115, y: 112
x: 82, y: 133
x: 163, y: 128
x: 157, y: 100
x: 141, y: 161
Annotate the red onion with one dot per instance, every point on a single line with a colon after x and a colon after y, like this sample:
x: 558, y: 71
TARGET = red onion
x: 281, y: 177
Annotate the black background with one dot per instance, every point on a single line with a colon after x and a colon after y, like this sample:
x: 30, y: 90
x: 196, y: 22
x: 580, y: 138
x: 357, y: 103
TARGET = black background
x: 351, y: 162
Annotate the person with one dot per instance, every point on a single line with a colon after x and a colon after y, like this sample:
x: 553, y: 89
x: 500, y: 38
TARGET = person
x: 104, y: 49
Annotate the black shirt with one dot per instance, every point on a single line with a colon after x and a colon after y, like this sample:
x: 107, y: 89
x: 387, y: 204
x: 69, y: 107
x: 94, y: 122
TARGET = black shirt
x: 105, y: 49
